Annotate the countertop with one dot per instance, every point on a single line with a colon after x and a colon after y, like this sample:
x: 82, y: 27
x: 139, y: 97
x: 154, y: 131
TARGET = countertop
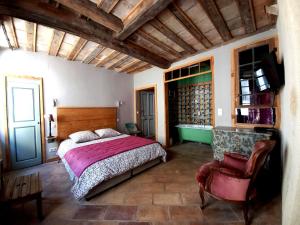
x: 238, y: 130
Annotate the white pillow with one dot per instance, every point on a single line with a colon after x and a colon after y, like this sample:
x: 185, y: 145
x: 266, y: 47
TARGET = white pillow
x: 83, y: 136
x: 107, y: 132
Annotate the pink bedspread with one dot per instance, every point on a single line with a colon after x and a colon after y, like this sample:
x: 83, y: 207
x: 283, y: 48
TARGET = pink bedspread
x: 82, y: 157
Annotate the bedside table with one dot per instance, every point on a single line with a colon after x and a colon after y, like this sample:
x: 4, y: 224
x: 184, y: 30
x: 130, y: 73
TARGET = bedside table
x: 51, y: 149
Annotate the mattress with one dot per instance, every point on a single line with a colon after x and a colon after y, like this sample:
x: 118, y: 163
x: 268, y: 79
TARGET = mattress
x: 110, y: 167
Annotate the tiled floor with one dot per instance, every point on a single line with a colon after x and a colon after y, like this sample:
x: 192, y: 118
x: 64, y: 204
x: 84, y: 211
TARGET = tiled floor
x: 164, y: 195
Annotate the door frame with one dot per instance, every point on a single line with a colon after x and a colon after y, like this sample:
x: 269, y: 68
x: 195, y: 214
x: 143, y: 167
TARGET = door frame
x: 136, y: 102
x: 7, y: 163
x: 166, y: 95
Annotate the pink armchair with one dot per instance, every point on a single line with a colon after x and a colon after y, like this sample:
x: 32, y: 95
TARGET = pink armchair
x: 233, y: 178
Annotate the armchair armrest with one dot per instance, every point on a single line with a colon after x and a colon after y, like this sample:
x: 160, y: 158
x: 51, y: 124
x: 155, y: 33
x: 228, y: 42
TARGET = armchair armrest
x: 235, y: 160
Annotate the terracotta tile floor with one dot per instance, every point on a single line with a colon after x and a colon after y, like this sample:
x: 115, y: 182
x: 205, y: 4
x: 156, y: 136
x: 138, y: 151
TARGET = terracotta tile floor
x: 163, y: 195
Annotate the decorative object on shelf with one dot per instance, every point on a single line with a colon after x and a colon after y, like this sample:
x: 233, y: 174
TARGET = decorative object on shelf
x: 50, y: 119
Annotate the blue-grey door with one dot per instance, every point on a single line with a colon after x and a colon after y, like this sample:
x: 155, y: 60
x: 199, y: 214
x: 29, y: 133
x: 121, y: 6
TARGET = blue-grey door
x: 147, y: 113
x: 23, y: 106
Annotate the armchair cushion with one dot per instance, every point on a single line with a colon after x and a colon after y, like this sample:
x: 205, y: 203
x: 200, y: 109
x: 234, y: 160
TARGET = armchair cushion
x: 231, y: 172
x: 235, y: 160
x: 228, y: 187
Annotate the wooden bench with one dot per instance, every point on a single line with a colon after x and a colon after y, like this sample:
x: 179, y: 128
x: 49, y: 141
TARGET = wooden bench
x: 21, y: 189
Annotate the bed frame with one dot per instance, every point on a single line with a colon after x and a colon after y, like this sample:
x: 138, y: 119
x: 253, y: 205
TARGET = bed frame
x: 70, y: 120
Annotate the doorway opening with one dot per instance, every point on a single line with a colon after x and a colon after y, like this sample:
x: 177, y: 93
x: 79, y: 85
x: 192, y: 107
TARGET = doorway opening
x: 146, y: 111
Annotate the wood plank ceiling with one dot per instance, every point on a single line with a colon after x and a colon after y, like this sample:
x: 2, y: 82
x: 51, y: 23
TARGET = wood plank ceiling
x: 128, y: 35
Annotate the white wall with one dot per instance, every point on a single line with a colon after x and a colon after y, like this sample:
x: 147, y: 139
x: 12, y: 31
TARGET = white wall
x: 289, y: 39
x: 72, y: 83
x: 222, y: 80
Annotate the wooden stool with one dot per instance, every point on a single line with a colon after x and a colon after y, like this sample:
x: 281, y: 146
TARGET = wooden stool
x: 20, y: 189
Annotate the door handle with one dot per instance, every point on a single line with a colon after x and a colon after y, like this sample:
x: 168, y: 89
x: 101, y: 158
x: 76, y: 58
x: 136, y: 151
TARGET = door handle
x: 38, y: 122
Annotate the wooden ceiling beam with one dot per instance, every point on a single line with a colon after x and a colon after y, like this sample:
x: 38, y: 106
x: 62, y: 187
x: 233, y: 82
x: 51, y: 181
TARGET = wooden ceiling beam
x: 247, y: 15
x: 171, y: 35
x: 67, y: 21
x: 31, y: 34
x: 159, y: 44
x: 140, y: 41
x: 107, y: 58
x: 35, y: 35
x: 90, y: 10
x: 107, y: 5
x: 123, y: 63
x: 135, y: 67
x: 93, y: 54
x: 140, y: 69
x: 5, y: 33
x: 143, y: 12
x: 134, y: 62
x: 213, y: 12
x: 76, y: 49
x: 56, y: 41
x: 123, y: 59
x: 183, y: 18
x: 10, y: 27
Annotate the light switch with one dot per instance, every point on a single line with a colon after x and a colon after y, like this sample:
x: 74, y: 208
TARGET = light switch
x: 220, y: 111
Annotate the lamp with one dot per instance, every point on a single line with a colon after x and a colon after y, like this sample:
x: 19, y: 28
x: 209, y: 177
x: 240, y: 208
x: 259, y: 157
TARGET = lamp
x: 51, y: 119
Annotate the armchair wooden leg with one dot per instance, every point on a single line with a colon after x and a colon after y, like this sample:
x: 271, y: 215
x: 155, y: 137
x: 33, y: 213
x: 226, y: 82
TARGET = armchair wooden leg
x: 5, y: 212
x: 245, y: 210
x: 201, y: 193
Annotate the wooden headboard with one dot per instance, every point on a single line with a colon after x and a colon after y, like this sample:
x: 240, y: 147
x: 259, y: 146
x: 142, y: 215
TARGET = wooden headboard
x: 70, y: 120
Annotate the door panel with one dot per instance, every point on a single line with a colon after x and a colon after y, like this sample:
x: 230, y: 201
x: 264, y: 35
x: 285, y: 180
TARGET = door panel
x: 152, y: 127
x: 147, y: 115
x: 145, y: 127
x: 23, y: 105
x: 23, y: 140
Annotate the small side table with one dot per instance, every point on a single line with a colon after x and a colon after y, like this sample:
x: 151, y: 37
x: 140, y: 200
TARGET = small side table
x: 20, y: 189
x: 51, y: 146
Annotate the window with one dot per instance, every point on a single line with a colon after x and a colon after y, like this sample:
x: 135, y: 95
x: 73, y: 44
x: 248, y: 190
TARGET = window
x: 253, y: 102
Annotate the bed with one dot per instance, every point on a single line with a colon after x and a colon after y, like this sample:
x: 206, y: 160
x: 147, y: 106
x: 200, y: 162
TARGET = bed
x: 105, y: 173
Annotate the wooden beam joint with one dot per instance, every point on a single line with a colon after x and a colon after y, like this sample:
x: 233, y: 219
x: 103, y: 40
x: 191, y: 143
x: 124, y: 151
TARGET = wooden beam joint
x: 144, y: 11
x: 90, y: 10
x: 247, y: 15
x: 183, y: 18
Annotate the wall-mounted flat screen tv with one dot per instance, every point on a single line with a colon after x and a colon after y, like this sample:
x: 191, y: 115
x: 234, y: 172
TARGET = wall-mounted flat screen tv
x: 270, y: 75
